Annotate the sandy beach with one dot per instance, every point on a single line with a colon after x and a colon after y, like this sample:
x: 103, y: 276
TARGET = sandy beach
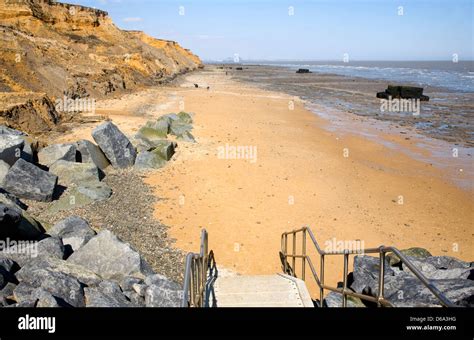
x: 342, y: 185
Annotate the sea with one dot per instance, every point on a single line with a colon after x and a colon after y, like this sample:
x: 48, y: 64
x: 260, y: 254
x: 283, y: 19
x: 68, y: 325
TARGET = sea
x: 456, y: 76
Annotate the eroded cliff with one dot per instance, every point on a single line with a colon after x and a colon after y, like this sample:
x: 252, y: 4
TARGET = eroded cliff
x: 62, y: 49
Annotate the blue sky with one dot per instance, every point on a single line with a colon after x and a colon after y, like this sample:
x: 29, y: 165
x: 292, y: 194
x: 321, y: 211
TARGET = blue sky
x: 318, y: 29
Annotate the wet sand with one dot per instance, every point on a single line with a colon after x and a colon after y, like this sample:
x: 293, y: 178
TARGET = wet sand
x: 376, y: 194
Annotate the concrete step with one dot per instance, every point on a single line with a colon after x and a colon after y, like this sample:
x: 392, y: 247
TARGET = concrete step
x: 261, y: 291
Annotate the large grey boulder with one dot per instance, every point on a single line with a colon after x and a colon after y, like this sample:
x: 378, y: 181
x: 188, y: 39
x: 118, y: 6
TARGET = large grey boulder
x: 53, y: 264
x: 164, y: 148
x: 448, y: 262
x: 116, y: 146
x: 58, y: 284
x: 106, y: 294
x: 178, y: 128
x: 334, y: 300
x: 149, y: 160
x: 49, y: 247
x: 417, y: 252
x: 4, y: 167
x: 81, y: 196
x: 23, y: 292
x: 161, y: 281
x: 408, y: 291
x: 157, y: 296
x: 148, y: 133
x: 162, y: 292
x: 10, y: 148
x: 434, y: 273
x: 26, y: 180
x: 109, y: 257
x: 27, y: 151
x: 53, y: 153
x: 91, y: 153
x: 74, y: 231
x: 74, y: 173
x: 45, y: 299
x: 366, y: 274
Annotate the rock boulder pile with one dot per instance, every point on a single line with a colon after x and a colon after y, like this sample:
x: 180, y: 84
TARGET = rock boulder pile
x: 72, y: 266
x: 154, y: 149
x: 453, y: 277
x: 69, y: 264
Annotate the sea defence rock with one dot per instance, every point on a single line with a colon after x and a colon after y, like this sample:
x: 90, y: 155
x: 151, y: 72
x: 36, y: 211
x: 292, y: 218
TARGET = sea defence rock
x: 178, y: 127
x: 164, y: 148
x: 186, y: 137
x: 74, y: 173
x: 81, y: 196
x: 185, y: 117
x: 107, y: 295
x: 365, y: 274
x: 334, y: 299
x: 162, y: 292
x: 10, y: 148
x: 48, y: 247
x: 53, y: 153
x: 74, y: 231
x: 149, y: 160
x: 303, y: 70
x: 148, y: 135
x: 54, y: 264
x: 4, y: 167
x: 17, y: 224
x: 158, y: 296
x: 160, y: 128
x: 115, y: 145
x: 403, y: 92
x: 109, y: 257
x: 413, y: 252
x: 59, y: 284
x: 453, y: 277
x: 26, y: 180
x: 91, y: 153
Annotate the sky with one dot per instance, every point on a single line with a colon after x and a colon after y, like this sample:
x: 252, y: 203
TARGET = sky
x: 304, y: 29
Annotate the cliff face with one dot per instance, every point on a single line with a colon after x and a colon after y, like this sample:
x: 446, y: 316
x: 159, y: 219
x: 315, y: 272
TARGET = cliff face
x: 59, y: 49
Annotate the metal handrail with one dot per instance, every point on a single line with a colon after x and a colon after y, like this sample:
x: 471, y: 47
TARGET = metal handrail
x: 382, y: 251
x: 195, y: 275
